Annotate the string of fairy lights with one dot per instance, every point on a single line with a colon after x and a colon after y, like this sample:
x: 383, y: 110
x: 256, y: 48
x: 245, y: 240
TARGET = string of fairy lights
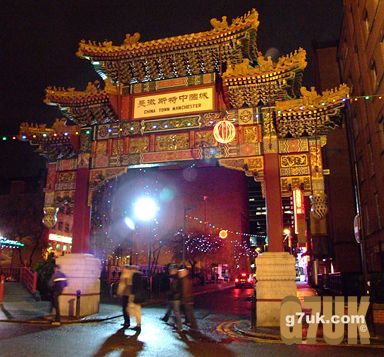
x: 219, y: 228
x: 46, y: 135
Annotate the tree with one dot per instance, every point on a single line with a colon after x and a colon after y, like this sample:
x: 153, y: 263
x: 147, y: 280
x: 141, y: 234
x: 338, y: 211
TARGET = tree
x: 20, y: 219
x: 197, y: 245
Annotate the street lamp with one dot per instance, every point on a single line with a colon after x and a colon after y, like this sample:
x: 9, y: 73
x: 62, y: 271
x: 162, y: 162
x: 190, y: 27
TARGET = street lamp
x: 145, y: 209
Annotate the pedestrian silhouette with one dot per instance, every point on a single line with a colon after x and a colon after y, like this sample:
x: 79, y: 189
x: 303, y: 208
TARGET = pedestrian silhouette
x: 57, y: 283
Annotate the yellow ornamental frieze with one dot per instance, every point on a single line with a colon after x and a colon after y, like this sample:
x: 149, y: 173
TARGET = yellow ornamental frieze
x: 234, y: 164
x: 295, y: 171
x: 250, y: 149
x: 101, y: 148
x: 210, y: 119
x: 256, y: 163
x: 205, y: 138
x: 293, y: 160
x: 117, y: 147
x: 316, y: 161
x: 289, y: 183
x: 252, y: 134
x: 139, y: 145
x: 270, y: 145
x: 248, y: 165
x: 293, y: 145
x: 172, y: 142
x: 246, y: 116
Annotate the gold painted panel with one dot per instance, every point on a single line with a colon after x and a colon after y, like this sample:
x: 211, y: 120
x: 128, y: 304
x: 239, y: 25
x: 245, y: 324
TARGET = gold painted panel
x: 252, y: 134
x: 172, y: 142
x: 289, y: 183
x: 294, y: 171
x: 139, y: 145
x: 294, y: 160
x: 204, y: 138
x: 293, y: 145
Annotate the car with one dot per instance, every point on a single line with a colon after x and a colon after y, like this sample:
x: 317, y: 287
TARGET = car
x: 243, y: 280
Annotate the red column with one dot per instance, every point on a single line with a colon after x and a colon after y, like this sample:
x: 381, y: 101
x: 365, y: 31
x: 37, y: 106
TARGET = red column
x: 81, y: 213
x: 273, y: 202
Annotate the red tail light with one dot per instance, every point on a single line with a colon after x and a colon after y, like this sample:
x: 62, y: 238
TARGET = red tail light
x: 236, y: 280
x: 243, y: 274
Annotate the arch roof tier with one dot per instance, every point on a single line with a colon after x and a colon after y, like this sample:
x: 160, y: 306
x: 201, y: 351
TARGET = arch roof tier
x: 172, y: 57
x: 88, y: 107
x: 265, y: 83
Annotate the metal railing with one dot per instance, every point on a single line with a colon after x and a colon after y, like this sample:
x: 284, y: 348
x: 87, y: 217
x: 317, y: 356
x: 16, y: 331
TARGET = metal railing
x: 11, y: 274
x: 28, y: 278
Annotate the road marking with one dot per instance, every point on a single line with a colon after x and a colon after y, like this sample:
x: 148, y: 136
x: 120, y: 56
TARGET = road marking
x: 226, y: 327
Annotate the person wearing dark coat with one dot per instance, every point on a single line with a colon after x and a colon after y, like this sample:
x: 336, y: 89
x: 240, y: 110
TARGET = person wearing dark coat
x: 57, y: 283
x: 187, y: 297
x: 174, y: 297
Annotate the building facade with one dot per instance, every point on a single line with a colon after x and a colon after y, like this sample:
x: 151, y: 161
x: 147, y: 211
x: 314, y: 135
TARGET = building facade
x: 361, y: 60
x: 341, y: 247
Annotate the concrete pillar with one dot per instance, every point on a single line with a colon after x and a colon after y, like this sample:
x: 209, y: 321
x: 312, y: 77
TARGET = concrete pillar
x: 83, y: 273
x: 275, y: 269
x: 276, y: 279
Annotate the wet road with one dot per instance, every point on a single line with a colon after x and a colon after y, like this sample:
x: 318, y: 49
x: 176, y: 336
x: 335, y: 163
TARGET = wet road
x: 156, y: 338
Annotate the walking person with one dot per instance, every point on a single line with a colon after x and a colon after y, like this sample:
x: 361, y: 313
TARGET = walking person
x: 174, y: 299
x: 57, y: 283
x: 137, y: 297
x: 187, y: 297
x: 124, y: 290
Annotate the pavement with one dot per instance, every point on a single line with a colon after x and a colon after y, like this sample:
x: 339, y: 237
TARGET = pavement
x: 21, y: 307
x: 244, y: 327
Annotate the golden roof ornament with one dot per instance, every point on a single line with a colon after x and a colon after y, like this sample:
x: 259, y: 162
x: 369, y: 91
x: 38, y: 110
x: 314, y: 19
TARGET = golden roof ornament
x: 251, y: 18
x: 219, y: 25
x: 60, y: 125
x: 311, y: 99
x: 131, y: 39
x: 92, y: 87
x: 109, y: 87
x: 295, y: 60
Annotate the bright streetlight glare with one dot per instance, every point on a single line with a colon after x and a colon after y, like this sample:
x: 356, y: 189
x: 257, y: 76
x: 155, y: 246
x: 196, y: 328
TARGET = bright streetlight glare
x: 130, y: 224
x: 145, y: 209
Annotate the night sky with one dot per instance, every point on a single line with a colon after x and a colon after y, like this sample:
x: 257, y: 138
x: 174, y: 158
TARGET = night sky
x: 39, y: 40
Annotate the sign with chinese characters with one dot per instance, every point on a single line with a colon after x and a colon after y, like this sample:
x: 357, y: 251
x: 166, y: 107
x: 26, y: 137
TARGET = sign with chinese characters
x: 167, y: 104
x: 298, y: 208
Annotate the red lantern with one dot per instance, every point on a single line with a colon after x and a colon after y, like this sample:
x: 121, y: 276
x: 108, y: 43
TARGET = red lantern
x: 224, y: 131
x: 223, y: 234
